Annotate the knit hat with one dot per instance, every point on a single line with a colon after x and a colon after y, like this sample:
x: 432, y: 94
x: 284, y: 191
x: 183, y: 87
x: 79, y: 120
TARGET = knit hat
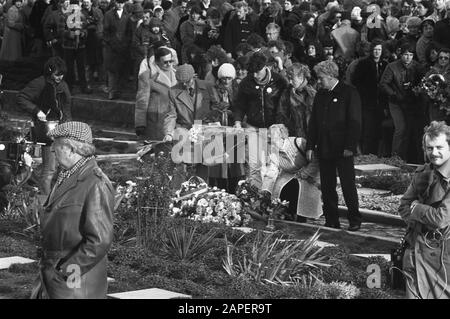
x: 184, y: 72
x: 77, y: 131
x: 226, y: 70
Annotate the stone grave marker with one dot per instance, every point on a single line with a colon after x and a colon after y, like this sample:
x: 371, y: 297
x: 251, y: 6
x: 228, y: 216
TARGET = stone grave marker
x: 152, y: 293
x: 374, y: 168
x: 385, y: 256
x: 6, y: 262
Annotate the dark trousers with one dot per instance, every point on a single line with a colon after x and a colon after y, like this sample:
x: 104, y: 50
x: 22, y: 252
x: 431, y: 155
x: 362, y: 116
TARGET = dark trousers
x: 290, y: 193
x: 371, y: 120
x: 71, y: 56
x: 346, y: 171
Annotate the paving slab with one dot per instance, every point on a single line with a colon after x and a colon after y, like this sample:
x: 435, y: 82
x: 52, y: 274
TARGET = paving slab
x: 246, y: 230
x: 152, y: 293
x: 385, y: 256
x: 374, y: 168
x: 6, y: 262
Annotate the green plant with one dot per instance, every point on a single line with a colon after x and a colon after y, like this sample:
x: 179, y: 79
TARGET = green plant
x: 181, y: 243
x: 272, y: 259
x: 311, y: 287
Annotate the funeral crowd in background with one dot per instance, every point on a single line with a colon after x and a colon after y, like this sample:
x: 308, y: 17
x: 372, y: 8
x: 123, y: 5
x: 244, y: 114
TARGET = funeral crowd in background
x: 341, y: 76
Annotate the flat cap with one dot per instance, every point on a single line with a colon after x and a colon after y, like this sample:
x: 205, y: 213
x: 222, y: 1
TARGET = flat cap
x: 184, y: 72
x: 77, y: 131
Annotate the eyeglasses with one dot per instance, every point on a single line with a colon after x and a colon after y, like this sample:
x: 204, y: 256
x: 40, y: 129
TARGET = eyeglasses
x: 444, y: 58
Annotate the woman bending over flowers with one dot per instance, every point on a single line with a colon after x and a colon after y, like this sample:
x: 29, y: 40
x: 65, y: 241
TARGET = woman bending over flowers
x: 289, y: 176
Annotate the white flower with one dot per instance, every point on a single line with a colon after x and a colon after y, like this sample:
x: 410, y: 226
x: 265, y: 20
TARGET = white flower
x: 244, y: 192
x: 242, y: 181
x: 269, y: 90
x: 334, y: 100
x: 209, y: 210
x: 202, y: 202
x: 257, y: 87
x: 176, y: 210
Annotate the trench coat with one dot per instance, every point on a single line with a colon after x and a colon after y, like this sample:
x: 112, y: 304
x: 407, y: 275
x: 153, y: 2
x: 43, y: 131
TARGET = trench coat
x: 152, y: 101
x: 77, y: 232
x: 427, y: 268
x: 309, y: 196
x: 11, y: 49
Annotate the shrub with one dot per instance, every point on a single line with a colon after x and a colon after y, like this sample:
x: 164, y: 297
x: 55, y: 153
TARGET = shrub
x: 272, y: 259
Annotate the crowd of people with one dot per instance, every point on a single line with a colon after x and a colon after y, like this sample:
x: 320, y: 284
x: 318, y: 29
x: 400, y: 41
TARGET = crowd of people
x: 329, y: 79
x: 384, y: 48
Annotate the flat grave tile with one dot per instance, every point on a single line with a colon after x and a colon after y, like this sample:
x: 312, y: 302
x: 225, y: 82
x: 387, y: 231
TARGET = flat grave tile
x: 385, y: 256
x: 152, y: 293
x: 246, y: 230
x: 368, y: 168
x: 6, y: 262
x: 373, y: 191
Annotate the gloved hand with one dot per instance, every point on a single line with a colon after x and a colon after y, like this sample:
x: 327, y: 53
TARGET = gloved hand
x: 140, y: 130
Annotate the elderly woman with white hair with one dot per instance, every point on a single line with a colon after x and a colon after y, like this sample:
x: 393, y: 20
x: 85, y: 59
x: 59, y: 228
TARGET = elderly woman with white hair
x: 225, y: 175
x: 289, y: 176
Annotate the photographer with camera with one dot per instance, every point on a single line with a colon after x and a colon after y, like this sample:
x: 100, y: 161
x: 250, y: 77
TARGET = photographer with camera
x: 425, y: 209
x: 47, y: 99
x: 398, y: 80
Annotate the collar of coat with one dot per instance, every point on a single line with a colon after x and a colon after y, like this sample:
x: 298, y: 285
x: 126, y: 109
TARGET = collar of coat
x: 183, y: 95
x: 87, y: 170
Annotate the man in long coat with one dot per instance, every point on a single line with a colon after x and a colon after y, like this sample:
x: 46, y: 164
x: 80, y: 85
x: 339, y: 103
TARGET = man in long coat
x: 117, y: 40
x: 77, y: 221
x: 333, y: 134
x: 425, y: 207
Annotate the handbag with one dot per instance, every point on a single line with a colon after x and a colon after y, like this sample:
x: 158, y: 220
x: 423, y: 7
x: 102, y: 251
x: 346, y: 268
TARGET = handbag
x: 397, y: 279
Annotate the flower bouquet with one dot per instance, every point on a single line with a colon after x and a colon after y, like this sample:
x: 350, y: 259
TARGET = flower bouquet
x: 259, y: 203
x: 437, y: 89
x: 213, y: 206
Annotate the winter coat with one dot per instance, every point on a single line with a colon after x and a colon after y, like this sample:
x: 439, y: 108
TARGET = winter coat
x: 36, y: 21
x: 291, y: 159
x: 152, y: 102
x: 427, y: 265
x: 392, y: 83
x: 236, y: 32
x: 77, y: 232
x: 94, y: 27
x: 367, y: 82
x: 221, y: 104
x: 42, y: 95
x: 117, y: 40
x: 292, y: 18
x: 294, y: 110
x: 259, y: 102
x: 69, y: 39
x: 182, y: 111
x: 11, y: 49
x: 441, y: 33
x: 335, y: 123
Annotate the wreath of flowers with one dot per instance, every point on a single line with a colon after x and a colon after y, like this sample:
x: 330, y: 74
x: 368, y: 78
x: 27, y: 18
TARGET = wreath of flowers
x: 437, y: 89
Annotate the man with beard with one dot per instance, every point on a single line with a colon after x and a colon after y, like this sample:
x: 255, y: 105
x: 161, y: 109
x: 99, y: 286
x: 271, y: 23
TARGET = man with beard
x: 425, y: 209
